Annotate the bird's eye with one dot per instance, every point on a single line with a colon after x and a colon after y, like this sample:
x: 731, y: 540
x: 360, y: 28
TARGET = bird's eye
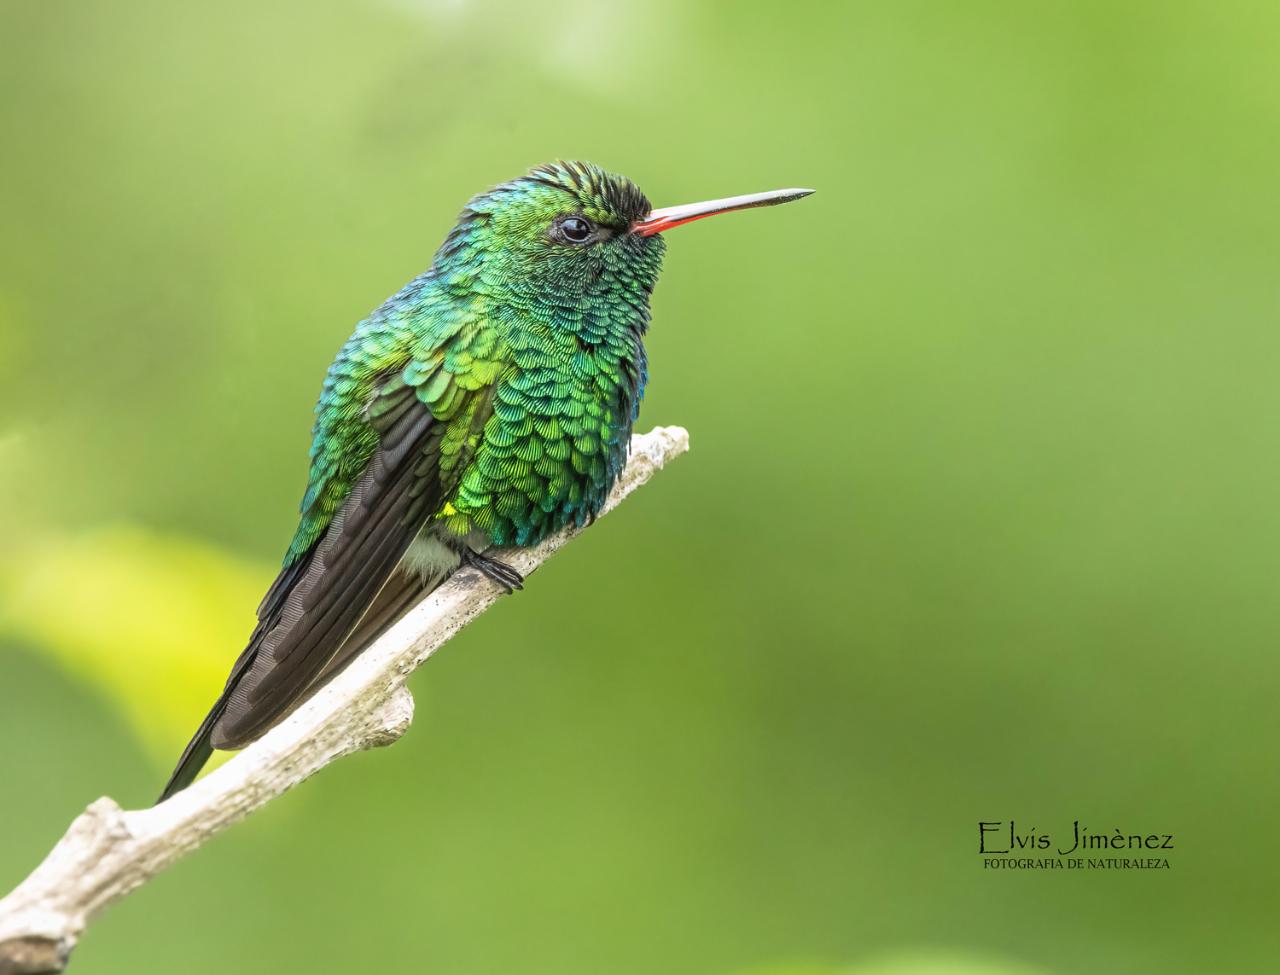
x: 575, y: 229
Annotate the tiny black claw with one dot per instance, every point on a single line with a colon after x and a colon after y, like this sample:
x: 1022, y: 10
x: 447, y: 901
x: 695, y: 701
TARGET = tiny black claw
x: 495, y: 571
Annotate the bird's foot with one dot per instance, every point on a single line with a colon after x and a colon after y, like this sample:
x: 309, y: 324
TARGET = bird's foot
x: 495, y: 571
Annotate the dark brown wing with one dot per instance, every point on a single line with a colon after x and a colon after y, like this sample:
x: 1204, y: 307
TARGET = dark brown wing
x: 323, y: 608
x: 398, y: 492
x: 404, y: 590
x: 200, y: 748
x: 316, y: 602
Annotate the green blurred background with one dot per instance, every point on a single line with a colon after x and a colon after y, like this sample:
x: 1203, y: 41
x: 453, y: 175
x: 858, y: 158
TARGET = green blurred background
x: 980, y: 519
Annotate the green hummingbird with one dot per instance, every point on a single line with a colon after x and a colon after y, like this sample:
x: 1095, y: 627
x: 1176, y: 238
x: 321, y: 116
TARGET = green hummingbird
x: 489, y: 402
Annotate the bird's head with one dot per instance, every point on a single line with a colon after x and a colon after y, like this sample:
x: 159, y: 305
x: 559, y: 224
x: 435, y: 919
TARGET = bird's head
x: 568, y: 233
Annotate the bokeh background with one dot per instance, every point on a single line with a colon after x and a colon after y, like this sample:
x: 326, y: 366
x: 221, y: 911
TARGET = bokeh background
x: 980, y: 519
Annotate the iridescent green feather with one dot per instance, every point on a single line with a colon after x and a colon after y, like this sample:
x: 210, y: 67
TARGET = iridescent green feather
x: 526, y: 348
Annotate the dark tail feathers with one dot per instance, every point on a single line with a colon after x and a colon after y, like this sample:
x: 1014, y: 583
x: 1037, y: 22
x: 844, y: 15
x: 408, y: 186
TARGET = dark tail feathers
x: 197, y: 752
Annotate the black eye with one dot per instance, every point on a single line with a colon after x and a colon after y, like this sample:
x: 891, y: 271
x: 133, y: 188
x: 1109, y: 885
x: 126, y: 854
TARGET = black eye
x: 575, y: 229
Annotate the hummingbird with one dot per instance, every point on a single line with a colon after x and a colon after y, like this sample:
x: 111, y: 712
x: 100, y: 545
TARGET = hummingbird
x: 487, y: 403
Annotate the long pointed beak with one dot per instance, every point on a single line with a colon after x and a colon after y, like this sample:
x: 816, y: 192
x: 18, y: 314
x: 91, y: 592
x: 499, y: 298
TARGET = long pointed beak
x: 668, y: 217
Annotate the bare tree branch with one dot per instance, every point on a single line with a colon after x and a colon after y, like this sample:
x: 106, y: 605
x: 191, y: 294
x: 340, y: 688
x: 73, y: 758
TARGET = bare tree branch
x: 107, y: 852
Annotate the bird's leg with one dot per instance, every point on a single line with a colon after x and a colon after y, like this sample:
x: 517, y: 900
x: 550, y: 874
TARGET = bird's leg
x: 492, y: 569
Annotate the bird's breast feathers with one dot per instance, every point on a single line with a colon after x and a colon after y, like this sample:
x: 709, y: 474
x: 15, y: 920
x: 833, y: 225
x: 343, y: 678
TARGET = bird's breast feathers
x: 554, y: 440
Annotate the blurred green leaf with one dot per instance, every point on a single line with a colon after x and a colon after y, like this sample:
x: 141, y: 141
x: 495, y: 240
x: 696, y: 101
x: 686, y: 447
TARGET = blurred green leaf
x: 151, y: 621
